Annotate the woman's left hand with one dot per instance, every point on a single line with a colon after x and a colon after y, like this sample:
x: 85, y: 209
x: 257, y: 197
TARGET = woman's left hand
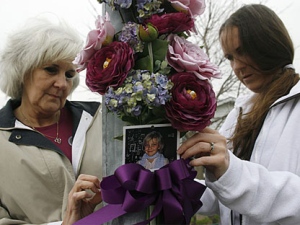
x: 83, y: 198
x: 209, y: 149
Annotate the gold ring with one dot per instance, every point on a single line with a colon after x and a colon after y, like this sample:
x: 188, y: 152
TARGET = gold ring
x: 212, y: 146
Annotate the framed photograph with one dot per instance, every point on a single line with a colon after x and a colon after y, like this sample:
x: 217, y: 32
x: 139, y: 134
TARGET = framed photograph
x: 152, y: 146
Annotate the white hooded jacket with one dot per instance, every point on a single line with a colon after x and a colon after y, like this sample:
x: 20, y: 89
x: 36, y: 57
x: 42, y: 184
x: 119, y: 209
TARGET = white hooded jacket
x: 266, y: 190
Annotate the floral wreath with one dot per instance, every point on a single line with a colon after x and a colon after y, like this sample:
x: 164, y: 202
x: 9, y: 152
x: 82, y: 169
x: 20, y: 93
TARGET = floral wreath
x: 148, y: 72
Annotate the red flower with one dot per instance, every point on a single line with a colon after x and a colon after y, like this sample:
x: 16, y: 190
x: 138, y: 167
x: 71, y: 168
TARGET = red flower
x: 109, y: 66
x: 193, y: 103
x: 172, y: 22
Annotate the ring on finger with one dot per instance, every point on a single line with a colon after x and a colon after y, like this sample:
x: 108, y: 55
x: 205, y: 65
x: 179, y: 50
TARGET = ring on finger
x: 212, y: 146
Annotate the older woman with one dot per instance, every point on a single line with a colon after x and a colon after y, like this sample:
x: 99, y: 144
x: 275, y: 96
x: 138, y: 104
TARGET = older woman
x: 50, y: 150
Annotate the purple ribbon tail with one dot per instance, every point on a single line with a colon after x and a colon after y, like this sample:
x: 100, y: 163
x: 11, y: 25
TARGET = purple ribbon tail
x: 103, y: 215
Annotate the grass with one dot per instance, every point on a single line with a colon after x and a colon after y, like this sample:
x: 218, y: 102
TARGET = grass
x: 198, y: 219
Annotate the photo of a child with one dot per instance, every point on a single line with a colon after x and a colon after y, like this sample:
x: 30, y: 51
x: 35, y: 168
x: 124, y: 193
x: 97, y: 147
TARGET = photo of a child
x: 151, y: 146
x: 153, y: 158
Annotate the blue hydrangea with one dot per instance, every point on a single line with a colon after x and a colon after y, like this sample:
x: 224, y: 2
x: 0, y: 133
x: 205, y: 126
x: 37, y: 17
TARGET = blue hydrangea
x: 129, y: 34
x: 140, y: 90
x: 146, y: 8
x: 123, y: 3
x: 116, y: 4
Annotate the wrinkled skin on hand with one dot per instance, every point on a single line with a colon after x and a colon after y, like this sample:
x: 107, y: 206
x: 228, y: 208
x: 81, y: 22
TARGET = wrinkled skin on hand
x: 83, y: 198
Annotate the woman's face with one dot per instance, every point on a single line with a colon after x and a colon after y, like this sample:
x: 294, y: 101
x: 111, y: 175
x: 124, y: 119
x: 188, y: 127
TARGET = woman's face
x: 242, y: 65
x: 152, y: 147
x: 47, y: 89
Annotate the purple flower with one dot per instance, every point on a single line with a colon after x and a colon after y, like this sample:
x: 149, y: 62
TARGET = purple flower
x: 109, y: 67
x: 146, y: 8
x: 123, y: 3
x: 193, y: 103
x: 130, y: 35
x: 172, y: 22
x: 116, y: 4
x: 140, y: 91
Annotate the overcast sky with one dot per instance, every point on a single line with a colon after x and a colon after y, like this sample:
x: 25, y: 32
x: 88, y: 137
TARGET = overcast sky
x: 81, y: 14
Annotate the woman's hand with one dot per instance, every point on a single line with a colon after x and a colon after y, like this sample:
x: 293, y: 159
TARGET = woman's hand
x: 209, y: 149
x: 83, y: 198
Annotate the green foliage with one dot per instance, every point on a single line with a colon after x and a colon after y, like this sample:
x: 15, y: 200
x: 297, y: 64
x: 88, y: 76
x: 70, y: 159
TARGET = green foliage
x: 156, y: 51
x: 198, y: 219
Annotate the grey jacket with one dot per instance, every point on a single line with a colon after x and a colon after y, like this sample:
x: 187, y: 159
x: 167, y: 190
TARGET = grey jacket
x: 35, y: 175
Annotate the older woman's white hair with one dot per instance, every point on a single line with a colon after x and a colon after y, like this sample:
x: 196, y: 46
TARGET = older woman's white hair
x: 35, y: 44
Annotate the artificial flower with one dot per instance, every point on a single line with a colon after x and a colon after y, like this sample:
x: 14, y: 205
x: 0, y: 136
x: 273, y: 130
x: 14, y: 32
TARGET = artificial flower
x: 109, y: 66
x: 136, y: 72
x: 116, y: 4
x: 172, y: 22
x: 130, y: 35
x: 123, y: 3
x: 101, y: 36
x: 146, y: 8
x: 141, y: 97
x: 184, y: 55
x: 194, y: 7
x: 193, y: 102
x: 148, y: 32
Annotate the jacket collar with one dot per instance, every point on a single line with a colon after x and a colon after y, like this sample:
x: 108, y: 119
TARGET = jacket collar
x: 8, y: 119
x: 28, y: 137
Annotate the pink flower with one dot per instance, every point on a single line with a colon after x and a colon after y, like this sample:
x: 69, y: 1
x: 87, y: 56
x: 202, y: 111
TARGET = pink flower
x: 109, y: 66
x: 194, y: 7
x: 101, y: 36
x: 183, y: 55
x: 172, y: 22
x: 193, y: 103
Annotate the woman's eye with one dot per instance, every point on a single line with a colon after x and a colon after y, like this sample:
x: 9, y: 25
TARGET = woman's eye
x: 69, y: 75
x: 51, y: 69
x: 229, y: 57
x: 240, y: 51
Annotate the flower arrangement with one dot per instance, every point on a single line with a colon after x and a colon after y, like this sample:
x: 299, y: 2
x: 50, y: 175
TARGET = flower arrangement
x: 148, y: 72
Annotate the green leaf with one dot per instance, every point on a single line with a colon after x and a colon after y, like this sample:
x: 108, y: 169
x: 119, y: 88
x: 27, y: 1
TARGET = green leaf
x: 160, y: 48
x: 130, y: 119
x: 159, y: 51
x: 120, y: 138
x: 143, y: 63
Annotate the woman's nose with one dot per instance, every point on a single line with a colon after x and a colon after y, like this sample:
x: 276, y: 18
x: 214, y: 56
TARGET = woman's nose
x: 61, y: 81
x: 237, y: 64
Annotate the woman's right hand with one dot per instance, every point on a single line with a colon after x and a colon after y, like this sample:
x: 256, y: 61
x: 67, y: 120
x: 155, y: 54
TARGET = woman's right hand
x: 83, y: 198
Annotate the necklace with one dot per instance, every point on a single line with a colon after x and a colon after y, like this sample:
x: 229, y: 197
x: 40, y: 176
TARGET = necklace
x: 56, y: 139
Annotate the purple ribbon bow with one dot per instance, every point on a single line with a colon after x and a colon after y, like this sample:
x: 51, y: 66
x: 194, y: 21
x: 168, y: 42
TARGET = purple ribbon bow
x: 132, y: 188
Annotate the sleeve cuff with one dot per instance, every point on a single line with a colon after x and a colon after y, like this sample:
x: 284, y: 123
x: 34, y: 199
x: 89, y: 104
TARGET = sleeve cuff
x: 55, y: 223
